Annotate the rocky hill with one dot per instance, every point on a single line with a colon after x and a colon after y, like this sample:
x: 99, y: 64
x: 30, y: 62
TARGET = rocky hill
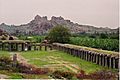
x: 41, y: 25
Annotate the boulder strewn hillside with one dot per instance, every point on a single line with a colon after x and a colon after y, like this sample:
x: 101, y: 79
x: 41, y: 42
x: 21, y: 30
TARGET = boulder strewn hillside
x: 41, y: 25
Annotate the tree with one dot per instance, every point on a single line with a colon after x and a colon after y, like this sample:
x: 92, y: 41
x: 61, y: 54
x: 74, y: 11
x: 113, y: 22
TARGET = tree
x: 104, y: 35
x: 59, y: 34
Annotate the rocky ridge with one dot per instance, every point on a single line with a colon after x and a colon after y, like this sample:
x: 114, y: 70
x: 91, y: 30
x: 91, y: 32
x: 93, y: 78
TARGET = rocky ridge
x: 41, y: 25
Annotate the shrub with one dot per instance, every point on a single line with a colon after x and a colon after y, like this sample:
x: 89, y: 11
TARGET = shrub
x: 101, y: 75
x: 60, y: 75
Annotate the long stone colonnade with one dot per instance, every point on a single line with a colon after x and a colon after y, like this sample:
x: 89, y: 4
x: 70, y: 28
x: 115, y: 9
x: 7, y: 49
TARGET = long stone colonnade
x: 107, y: 60
x: 12, y: 45
x: 21, y: 45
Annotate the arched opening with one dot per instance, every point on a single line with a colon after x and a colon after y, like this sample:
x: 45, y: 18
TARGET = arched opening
x: 11, y: 38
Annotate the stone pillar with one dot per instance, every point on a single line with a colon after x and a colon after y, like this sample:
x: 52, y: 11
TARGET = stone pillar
x: 0, y: 45
x: 80, y: 54
x: 34, y: 47
x: 29, y: 46
x: 98, y: 56
x: 108, y: 61
x: 67, y: 50
x: 9, y: 46
x: 51, y: 47
x: 90, y: 58
x: 112, y: 62
x: 23, y: 47
x: 117, y: 62
x: 64, y: 48
x: 3, y: 46
x: 94, y: 60
x: 77, y: 53
x: 12, y: 46
x: 101, y: 60
x: 87, y: 55
x: 83, y: 55
x: 71, y: 51
x: 40, y: 48
x: 45, y: 48
x: 60, y: 48
x: 16, y: 46
x: 104, y: 60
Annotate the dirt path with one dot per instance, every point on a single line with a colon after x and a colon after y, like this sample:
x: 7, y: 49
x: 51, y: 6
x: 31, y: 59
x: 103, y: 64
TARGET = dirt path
x: 2, y: 76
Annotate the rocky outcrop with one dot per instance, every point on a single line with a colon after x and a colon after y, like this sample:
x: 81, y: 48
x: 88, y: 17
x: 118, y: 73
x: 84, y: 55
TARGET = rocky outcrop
x: 41, y: 25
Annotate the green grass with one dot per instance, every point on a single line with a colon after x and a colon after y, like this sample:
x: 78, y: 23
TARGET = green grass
x: 84, y: 65
x: 4, y: 53
x: 13, y: 75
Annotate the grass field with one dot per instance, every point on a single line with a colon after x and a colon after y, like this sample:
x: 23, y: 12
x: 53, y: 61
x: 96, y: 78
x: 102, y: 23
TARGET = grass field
x: 4, y: 53
x: 40, y: 58
x: 51, y: 59
x: 13, y: 75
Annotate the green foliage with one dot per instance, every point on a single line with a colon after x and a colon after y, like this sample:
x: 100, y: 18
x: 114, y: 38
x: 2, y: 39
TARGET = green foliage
x: 59, y: 34
x: 102, y: 35
x: 98, y: 35
x: 105, y: 44
x: 37, y: 39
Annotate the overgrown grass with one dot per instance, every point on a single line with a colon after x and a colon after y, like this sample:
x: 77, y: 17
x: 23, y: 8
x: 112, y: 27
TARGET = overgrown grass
x: 11, y: 75
x: 84, y: 65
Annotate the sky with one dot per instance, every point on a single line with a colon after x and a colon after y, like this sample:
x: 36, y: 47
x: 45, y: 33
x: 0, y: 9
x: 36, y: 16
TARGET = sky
x: 99, y: 13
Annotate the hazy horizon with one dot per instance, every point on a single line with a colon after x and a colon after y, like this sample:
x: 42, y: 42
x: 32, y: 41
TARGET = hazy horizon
x: 98, y: 13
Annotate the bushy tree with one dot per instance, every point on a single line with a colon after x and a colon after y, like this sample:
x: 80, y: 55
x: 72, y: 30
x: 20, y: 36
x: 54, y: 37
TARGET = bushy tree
x: 59, y: 34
